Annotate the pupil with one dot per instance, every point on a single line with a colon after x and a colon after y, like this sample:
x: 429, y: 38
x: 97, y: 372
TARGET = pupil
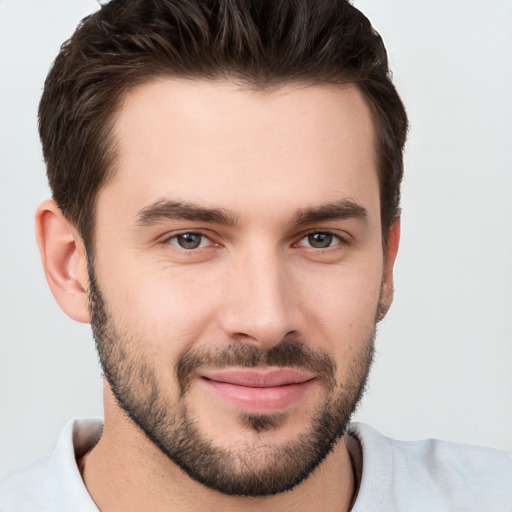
x: 189, y: 241
x: 320, y: 240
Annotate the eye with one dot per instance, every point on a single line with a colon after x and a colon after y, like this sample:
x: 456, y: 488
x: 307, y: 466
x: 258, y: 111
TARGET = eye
x: 190, y: 241
x: 320, y: 240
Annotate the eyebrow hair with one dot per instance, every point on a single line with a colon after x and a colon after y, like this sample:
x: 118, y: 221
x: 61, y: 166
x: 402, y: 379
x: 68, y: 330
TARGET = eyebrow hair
x: 344, y: 209
x: 163, y: 210
x: 177, y: 210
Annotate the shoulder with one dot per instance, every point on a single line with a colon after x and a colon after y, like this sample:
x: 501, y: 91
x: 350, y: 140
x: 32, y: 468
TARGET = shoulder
x: 23, y: 489
x: 433, y: 474
x: 53, y: 483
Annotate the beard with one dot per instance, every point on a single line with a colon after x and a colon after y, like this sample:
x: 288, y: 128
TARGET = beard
x: 251, y: 469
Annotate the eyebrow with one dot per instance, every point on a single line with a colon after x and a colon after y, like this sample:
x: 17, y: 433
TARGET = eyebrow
x: 164, y: 210
x: 339, y: 210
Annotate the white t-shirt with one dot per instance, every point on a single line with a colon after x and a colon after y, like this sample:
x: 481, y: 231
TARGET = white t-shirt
x: 395, y: 476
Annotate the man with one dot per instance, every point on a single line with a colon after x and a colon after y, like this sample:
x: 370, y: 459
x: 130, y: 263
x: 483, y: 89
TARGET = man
x: 225, y: 214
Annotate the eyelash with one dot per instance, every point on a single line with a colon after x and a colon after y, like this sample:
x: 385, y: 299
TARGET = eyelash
x: 334, y: 237
x: 340, y: 240
x: 176, y: 236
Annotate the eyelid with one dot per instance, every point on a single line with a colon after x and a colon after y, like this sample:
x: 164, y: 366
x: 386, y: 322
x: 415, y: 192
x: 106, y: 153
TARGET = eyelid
x: 166, y: 240
x: 343, y: 238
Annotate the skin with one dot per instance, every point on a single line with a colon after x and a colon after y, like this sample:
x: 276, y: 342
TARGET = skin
x: 261, y: 158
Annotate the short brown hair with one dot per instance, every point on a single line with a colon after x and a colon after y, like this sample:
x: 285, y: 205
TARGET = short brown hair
x: 260, y: 43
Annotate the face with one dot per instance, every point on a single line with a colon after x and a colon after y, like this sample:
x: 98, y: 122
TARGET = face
x: 237, y: 275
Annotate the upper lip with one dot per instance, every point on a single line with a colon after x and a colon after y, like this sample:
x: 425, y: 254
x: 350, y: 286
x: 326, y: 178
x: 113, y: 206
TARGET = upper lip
x: 258, y: 377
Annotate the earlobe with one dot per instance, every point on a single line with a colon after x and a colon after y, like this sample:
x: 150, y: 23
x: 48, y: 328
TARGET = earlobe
x: 387, y: 288
x: 64, y: 260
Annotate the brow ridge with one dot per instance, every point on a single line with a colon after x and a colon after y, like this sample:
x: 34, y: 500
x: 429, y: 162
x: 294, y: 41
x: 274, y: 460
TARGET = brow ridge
x: 164, y: 210
x: 339, y: 210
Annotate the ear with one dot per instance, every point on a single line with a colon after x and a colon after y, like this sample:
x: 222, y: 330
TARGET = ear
x: 64, y: 260
x: 387, y: 287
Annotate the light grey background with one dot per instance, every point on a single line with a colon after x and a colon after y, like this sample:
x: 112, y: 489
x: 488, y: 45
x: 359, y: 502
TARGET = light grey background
x: 444, y: 365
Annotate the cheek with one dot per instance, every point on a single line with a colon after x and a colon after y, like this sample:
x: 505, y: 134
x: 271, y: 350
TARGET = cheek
x: 162, y: 308
x: 340, y: 308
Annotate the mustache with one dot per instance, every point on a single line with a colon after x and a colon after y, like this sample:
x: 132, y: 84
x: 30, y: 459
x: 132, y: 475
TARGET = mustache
x: 290, y: 354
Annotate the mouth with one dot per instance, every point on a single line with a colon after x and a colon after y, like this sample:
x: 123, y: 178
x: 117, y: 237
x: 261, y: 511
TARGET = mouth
x: 258, y: 390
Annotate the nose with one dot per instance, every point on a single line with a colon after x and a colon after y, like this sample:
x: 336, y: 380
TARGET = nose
x: 260, y: 306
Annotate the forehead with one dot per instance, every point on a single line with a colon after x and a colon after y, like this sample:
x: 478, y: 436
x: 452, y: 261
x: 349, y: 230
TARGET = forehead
x: 220, y: 144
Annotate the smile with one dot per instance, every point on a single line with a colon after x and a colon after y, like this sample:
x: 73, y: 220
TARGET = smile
x: 259, y: 391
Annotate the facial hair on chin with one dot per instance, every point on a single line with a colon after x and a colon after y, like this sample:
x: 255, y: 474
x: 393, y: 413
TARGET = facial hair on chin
x: 240, y: 471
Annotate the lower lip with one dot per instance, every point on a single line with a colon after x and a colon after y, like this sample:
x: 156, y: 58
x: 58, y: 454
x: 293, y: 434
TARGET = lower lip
x: 269, y: 400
